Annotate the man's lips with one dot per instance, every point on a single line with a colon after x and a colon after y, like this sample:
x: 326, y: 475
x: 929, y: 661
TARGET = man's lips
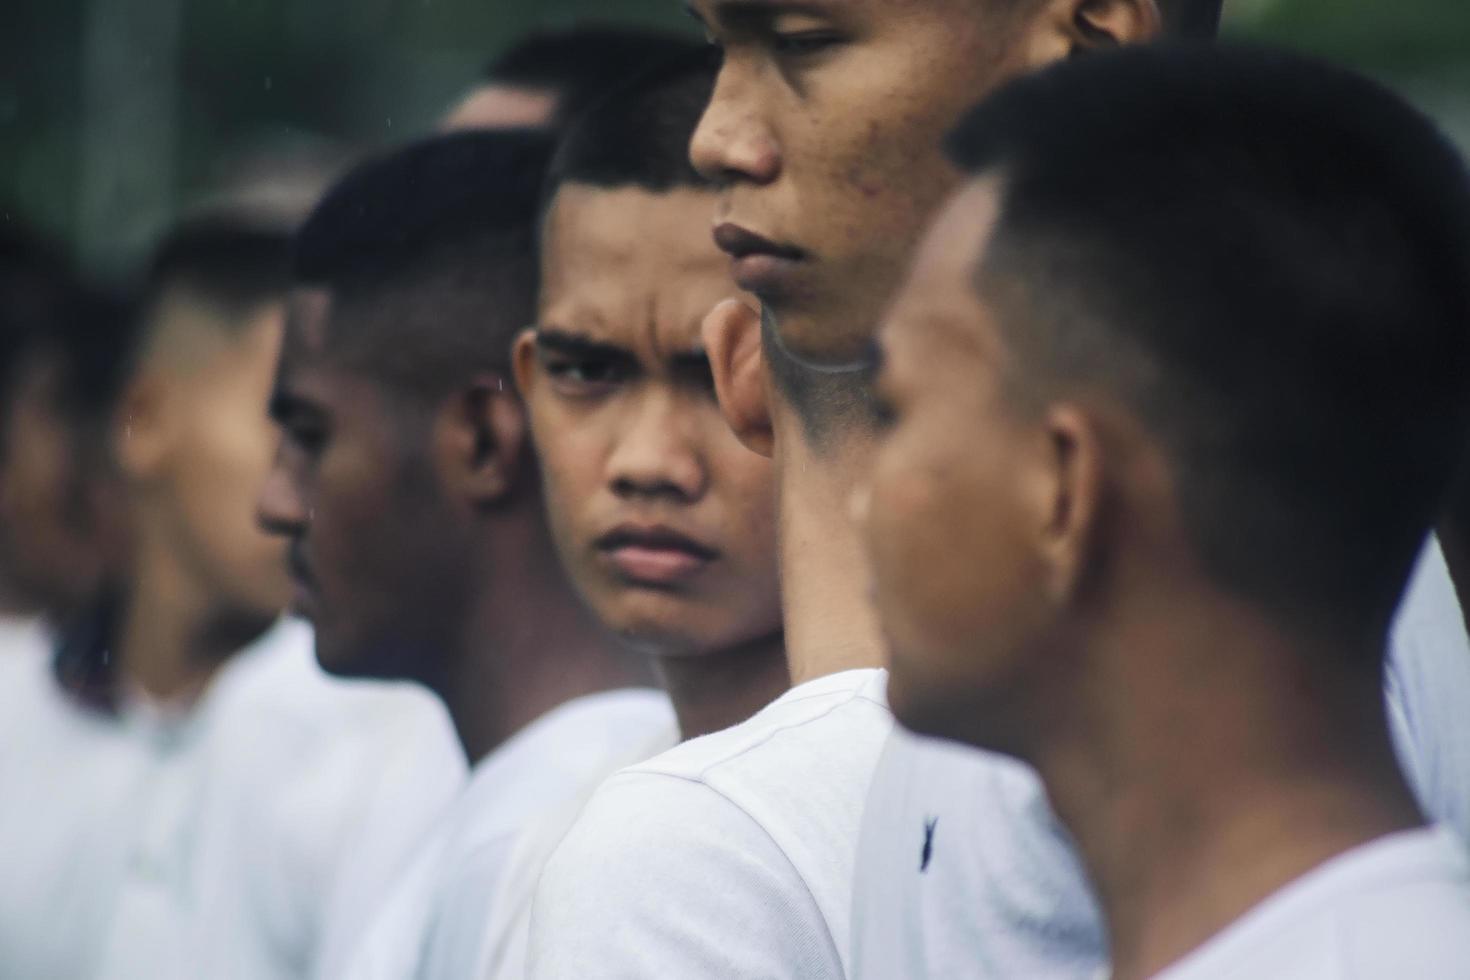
x: 760, y: 265
x: 654, y: 555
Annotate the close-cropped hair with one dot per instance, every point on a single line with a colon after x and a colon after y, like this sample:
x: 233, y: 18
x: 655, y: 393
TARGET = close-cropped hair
x: 638, y: 134
x: 428, y: 256
x: 1267, y: 260
x: 581, y: 64
x: 226, y: 259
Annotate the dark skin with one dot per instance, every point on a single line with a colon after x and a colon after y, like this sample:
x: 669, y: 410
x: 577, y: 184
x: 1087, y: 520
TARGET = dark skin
x: 417, y: 542
x: 826, y: 125
x: 1163, y: 711
x: 632, y: 445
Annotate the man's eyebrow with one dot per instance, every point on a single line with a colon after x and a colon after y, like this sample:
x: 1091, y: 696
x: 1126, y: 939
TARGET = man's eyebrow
x: 576, y: 345
x: 284, y: 404
x: 746, y: 12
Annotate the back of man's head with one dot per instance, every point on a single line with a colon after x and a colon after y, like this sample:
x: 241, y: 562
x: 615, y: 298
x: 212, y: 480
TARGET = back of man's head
x: 579, y: 65
x: 427, y: 254
x: 1265, y: 260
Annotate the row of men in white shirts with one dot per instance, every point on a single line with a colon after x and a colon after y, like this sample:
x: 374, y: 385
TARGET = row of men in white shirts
x: 660, y: 520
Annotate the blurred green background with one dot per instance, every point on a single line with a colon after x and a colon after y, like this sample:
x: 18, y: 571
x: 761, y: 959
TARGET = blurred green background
x: 113, y: 112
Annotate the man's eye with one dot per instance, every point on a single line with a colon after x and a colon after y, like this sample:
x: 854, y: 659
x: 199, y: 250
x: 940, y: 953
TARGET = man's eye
x: 310, y: 439
x: 801, y: 43
x: 592, y: 374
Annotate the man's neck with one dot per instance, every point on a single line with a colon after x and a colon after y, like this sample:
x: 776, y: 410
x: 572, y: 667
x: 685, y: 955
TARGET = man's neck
x: 169, y: 642
x: 528, y: 646
x: 829, y: 619
x: 1205, y: 777
x: 714, y: 691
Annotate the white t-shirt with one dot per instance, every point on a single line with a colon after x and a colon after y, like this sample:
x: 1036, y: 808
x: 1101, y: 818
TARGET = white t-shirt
x: 1395, y: 907
x: 504, y: 954
x: 727, y: 857
x: 435, y: 923
x: 164, y: 843
x: 1003, y: 894
x: 22, y: 633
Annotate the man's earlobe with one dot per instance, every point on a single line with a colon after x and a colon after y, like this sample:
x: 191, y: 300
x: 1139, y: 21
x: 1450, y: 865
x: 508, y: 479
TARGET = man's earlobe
x: 483, y: 433
x: 523, y: 360
x: 1072, y: 509
x: 142, y: 428
x: 1070, y: 28
x: 732, y: 339
x: 1104, y: 24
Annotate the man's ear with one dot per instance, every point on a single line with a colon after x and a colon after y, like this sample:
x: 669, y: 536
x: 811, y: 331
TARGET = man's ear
x: 523, y: 361
x: 732, y: 340
x: 1069, y: 28
x: 480, y: 439
x: 1070, y: 497
x: 144, y: 426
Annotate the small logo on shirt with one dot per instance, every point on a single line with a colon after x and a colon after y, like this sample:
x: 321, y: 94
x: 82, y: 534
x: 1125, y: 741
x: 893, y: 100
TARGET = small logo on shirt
x: 928, y: 851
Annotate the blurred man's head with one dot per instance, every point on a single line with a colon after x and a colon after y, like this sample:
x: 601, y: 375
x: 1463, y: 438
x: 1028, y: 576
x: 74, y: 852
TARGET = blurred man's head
x: 61, y: 345
x: 825, y: 129
x: 664, y: 521
x: 549, y: 77
x: 405, y: 459
x: 1100, y: 414
x: 191, y: 435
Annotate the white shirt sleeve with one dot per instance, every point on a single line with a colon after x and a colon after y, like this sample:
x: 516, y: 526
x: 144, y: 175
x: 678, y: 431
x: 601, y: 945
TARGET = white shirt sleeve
x: 663, y: 877
x: 1428, y: 688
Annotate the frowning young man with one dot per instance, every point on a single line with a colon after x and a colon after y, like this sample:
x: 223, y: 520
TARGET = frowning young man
x: 1165, y: 545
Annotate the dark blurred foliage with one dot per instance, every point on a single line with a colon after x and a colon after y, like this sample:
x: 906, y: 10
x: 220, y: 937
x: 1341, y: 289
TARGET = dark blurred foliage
x: 114, y: 113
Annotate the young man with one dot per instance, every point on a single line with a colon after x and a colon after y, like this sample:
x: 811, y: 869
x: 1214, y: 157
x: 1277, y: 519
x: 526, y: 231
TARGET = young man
x: 1130, y: 524
x: 194, y: 781
x: 663, y: 520
x: 824, y: 129
x: 407, y: 489
x: 740, y: 843
x: 826, y: 122
x: 61, y: 346
x: 550, y: 77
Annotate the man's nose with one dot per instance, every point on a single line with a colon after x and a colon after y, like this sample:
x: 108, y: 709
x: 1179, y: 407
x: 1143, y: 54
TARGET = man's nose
x: 657, y: 453
x: 733, y: 141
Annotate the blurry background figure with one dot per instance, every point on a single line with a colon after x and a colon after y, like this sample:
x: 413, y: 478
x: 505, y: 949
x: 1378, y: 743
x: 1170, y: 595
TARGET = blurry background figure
x: 196, y: 788
x: 549, y: 77
x: 60, y: 346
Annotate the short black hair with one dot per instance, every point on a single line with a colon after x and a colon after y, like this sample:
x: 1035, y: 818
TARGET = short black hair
x: 638, y: 134
x: 581, y: 64
x: 428, y: 254
x: 1268, y: 260
x: 225, y: 259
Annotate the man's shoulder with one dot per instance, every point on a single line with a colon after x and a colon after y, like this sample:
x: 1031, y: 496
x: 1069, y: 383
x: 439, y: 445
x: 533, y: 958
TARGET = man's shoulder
x: 789, y: 784
x: 802, y: 728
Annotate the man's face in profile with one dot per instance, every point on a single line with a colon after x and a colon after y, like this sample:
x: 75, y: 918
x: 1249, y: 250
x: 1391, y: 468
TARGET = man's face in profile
x: 825, y: 130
